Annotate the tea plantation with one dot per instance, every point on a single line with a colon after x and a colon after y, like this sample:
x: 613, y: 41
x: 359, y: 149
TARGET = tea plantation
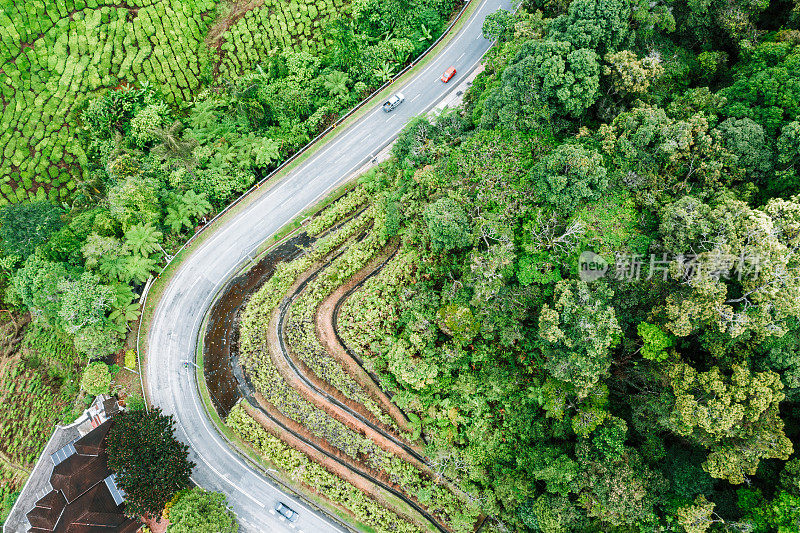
x: 275, y: 25
x: 55, y: 54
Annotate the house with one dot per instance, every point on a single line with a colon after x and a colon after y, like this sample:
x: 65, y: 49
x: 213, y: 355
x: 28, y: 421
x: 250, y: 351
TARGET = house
x: 71, y: 489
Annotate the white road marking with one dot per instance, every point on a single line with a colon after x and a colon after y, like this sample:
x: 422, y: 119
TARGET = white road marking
x: 176, y: 398
x: 459, y: 57
x: 390, y: 118
x: 415, y: 97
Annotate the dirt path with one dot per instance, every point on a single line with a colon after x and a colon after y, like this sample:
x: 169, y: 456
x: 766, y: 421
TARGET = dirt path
x: 238, y: 9
x: 329, y: 464
x: 329, y: 340
x: 11, y: 465
x: 318, y: 399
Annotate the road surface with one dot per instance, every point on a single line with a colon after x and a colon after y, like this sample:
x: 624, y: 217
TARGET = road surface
x: 176, y: 322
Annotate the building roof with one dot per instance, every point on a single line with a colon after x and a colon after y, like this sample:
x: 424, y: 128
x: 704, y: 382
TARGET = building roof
x: 71, y: 489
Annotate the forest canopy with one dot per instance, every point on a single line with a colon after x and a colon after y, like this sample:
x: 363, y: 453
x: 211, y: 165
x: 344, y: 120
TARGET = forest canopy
x: 593, y: 315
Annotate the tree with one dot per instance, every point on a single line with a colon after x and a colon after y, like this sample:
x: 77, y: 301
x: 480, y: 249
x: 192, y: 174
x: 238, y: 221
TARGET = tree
x: 26, y: 225
x: 741, y: 276
x: 765, y: 87
x: 448, y: 226
x: 618, y: 493
x: 136, y: 268
x: 745, y: 139
x: 648, y: 147
x: 142, y: 239
x: 170, y: 145
x: 698, y: 517
x: 497, y: 25
x: 124, y: 309
x: 656, y: 341
x: 600, y: 25
x: 336, y: 83
x: 265, y: 151
x: 96, y: 379
x: 182, y: 209
x: 547, y: 79
x: 577, y: 333
x: 150, y: 464
x: 201, y: 511
x: 736, y: 417
x: 37, y: 286
x: 134, y: 200
x: 568, y: 176
x: 84, y: 302
x: 99, y: 249
x: 98, y: 341
x: 631, y: 75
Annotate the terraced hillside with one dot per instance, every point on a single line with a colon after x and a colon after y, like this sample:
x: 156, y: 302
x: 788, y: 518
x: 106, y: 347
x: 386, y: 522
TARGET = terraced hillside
x: 314, y: 396
x: 55, y: 54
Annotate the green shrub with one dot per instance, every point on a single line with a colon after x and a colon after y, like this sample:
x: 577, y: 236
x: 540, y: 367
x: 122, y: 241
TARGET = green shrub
x: 131, y: 360
x: 96, y: 378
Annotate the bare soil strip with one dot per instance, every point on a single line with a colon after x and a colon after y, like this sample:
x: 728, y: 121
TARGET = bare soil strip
x: 318, y: 398
x: 330, y: 341
x: 331, y: 465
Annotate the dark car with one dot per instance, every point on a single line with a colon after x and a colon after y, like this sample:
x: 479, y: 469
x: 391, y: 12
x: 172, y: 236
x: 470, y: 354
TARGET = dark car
x: 286, y: 513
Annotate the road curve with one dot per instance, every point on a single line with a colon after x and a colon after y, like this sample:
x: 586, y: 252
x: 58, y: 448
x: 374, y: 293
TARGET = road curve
x: 177, y: 318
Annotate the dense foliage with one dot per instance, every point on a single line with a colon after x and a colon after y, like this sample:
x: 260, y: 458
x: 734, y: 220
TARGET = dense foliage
x: 150, y: 464
x: 659, y: 139
x: 57, y: 52
x: 200, y: 511
x: 660, y: 394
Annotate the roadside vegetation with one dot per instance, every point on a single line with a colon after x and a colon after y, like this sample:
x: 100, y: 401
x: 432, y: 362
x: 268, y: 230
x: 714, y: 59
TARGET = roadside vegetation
x: 126, y: 126
x: 656, y: 392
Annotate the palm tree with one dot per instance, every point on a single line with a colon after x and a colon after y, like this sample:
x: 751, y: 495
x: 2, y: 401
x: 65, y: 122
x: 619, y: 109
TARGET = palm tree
x: 136, y: 268
x: 171, y: 145
x: 142, y: 239
x: 92, y: 186
x: 112, y: 265
x: 196, y: 204
x: 121, y: 316
x: 123, y: 308
x: 266, y: 151
x: 177, y: 217
x: 426, y: 33
x: 336, y: 83
x: 386, y: 71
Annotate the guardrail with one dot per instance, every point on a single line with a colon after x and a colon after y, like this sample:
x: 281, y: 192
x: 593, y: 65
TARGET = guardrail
x: 279, y: 168
x: 235, y: 202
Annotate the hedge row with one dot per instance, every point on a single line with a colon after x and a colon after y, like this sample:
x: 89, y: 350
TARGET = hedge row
x: 313, y: 475
x: 276, y: 25
x: 56, y: 54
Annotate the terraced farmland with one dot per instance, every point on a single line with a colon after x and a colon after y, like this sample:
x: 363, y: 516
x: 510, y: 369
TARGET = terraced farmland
x: 273, y: 26
x: 56, y: 54
x: 313, y: 395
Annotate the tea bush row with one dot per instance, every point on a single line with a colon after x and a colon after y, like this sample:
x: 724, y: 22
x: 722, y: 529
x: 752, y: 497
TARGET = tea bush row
x: 313, y: 475
x: 55, y: 55
x: 29, y: 408
x: 276, y: 25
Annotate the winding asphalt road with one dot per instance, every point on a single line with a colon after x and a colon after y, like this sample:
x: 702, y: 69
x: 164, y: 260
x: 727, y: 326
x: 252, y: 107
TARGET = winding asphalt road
x: 177, y: 319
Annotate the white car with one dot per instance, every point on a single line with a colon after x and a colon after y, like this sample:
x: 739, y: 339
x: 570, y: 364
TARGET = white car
x: 286, y: 513
x: 393, y: 102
